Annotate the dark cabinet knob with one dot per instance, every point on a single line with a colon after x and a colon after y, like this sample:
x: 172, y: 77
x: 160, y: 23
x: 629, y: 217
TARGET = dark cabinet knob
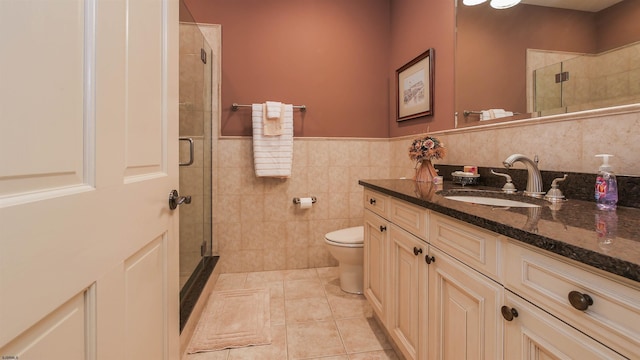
x: 509, y: 313
x: 417, y: 251
x: 383, y: 228
x: 580, y: 301
x: 429, y: 259
x: 372, y: 201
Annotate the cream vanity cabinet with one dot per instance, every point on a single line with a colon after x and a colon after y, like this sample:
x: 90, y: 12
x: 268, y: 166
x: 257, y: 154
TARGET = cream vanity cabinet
x: 596, y: 309
x: 375, y: 252
x: 465, y: 295
x: 433, y: 305
x: 375, y: 263
x: 445, y: 289
x: 395, y: 274
x: 533, y: 334
x: 407, y: 318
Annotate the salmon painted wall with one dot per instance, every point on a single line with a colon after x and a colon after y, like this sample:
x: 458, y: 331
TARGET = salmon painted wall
x: 339, y: 58
x: 417, y: 25
x: 618, y: 25
x: 329, y: 55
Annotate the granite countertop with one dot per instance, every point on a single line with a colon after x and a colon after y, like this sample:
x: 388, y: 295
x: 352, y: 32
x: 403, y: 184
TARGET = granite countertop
x: 569, y: 230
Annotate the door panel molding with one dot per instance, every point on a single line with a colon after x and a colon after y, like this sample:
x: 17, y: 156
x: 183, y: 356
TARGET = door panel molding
x: 69, y: 332
x: 145, y: 276
x: 58, y: 149
x: 144, y: 93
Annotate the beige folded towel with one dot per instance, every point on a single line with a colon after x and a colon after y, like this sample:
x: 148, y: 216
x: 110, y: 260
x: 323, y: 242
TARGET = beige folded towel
x: 272, y: 126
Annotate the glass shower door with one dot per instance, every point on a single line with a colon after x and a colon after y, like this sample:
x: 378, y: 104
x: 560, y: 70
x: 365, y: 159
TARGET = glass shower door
x: 195, y: 151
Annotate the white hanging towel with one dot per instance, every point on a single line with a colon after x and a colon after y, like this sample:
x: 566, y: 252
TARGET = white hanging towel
x: 272, y: 155
x: 273, y: 109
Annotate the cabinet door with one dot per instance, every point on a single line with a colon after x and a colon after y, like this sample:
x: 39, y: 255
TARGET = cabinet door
x: 613, y: 313
x: 375, y: 253
x: 407, y: 292
x: 535, y: 334
x: 464, y: 311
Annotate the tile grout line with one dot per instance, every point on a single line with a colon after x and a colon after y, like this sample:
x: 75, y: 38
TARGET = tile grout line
x: 284, y: 311
x: 333, y: 317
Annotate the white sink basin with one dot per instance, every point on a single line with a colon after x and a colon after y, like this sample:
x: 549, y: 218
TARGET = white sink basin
x: 490, y: 201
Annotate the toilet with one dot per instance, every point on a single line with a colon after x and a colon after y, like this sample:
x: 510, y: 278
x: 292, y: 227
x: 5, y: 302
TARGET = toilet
x: 346, y: 245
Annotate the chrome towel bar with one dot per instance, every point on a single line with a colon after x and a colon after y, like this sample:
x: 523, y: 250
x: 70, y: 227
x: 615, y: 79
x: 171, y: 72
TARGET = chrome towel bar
x: 235, y: 107
x: 473, y: 112
x: 469, y: 112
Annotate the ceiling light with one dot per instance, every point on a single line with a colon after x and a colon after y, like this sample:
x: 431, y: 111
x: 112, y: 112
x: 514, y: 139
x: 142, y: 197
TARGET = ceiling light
x: 472, y: 2
x: 503, y: 4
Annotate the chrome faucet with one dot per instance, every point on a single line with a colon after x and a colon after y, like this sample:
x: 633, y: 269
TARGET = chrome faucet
x: 534, y: 180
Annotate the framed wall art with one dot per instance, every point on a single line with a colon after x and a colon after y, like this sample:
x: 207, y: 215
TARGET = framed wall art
x: 414, y: 82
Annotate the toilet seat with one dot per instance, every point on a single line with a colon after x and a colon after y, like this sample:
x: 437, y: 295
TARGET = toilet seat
x: 343, y: 244
x: 349, y: 237
x: 347, y: 246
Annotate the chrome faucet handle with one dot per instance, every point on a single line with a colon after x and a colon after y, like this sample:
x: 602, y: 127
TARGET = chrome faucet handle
x: 508, y: 188
x: 554, y: 194
x: 507, y: 176
x: 555, y: 181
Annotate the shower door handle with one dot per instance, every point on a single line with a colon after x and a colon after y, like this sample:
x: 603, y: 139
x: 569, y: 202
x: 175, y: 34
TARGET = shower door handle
x: 175, y: 199
x: 190, y: 140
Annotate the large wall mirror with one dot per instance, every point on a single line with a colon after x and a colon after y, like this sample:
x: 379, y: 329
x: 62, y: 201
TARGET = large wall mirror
x: 545, y: 57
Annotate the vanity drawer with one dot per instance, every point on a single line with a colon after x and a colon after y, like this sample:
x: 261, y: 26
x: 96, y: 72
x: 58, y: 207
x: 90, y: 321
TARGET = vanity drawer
x: 410, y: 217
x: 476, y: 247
x: 376, y: 202
x: 613, y: 317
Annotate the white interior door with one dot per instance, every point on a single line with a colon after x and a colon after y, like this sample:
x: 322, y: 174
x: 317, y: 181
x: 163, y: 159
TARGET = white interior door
x: 88, y: 155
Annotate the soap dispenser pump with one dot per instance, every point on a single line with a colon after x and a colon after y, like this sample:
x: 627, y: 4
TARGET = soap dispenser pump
x: 606, y: 189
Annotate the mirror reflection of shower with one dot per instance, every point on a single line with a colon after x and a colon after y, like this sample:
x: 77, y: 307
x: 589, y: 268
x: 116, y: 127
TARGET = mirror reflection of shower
x: 590, y: 81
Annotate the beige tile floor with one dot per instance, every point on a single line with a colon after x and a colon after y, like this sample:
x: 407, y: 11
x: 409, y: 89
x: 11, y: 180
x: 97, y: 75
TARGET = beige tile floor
x: 311, y: 318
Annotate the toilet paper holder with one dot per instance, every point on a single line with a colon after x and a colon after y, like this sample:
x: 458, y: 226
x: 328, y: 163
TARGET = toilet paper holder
x: 297, y: 200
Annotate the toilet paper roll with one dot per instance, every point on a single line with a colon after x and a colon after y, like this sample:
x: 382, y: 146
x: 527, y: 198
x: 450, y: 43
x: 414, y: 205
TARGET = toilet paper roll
x: 306, y: 202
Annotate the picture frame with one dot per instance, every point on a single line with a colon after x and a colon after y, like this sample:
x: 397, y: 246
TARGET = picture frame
x: 414, y: 83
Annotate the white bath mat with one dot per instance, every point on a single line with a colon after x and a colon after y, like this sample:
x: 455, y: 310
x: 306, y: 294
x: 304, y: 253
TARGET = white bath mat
x: 233, y: 319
